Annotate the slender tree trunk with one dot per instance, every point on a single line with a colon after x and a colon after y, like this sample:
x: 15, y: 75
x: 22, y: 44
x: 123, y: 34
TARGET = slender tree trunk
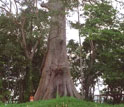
x: 81, y: 60
x: 56, y: 78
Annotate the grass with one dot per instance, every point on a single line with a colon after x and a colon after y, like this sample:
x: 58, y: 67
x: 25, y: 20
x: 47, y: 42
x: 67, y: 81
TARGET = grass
x: 61, y: 102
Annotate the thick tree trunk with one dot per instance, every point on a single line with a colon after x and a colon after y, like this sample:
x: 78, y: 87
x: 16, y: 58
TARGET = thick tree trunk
x: 56, y: 78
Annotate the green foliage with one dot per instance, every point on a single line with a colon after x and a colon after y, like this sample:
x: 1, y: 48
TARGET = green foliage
x: 14, y: 65
x: 70, y: 4
x: 101, y: 13
x: 73, y: 51
x: 107, y: 37
x: 3, y: 91
x: 103, y: 47
x: 98, y: 16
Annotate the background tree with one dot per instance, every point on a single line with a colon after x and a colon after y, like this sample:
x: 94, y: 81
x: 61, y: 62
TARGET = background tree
x: 103, y: 37
x: 96, y: 31
x: 24, y: 33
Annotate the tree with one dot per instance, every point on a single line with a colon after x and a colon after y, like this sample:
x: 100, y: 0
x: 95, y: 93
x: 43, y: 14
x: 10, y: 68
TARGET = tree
x: 30, y: 31
x: 112, y: 61
x: 103, y: 30
x: 14, y: 65
x: 97, y: 23
x: 56, y: 78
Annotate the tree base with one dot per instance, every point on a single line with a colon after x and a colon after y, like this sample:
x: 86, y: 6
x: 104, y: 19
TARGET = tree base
x: 56, y: 82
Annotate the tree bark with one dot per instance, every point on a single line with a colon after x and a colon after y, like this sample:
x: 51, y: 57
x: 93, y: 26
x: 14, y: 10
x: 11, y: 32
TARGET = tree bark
x: 56, y: 78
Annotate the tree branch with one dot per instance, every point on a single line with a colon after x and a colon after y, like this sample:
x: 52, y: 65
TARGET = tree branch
x: 45, y: 5
x: 16, y: 7
x: 4, y: 4
x: 35, y: 47
x: 24, y: 39
x: 5, y: 9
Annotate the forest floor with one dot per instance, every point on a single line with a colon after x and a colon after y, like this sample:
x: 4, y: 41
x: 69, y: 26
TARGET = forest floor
x: 61, y: 102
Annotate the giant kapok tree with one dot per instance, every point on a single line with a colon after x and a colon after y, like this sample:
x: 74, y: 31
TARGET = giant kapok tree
x: 56, y: 79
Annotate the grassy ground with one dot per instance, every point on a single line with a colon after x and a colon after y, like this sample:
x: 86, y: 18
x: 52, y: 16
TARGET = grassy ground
x: 61, y: 102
